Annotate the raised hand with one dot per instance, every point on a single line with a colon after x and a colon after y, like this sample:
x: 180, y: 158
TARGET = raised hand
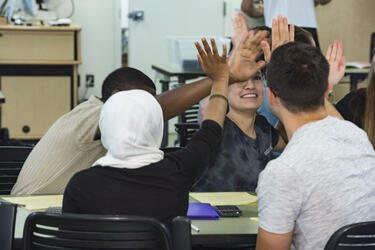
x: 239, y: 29
x: 242, y: 60
x: 336, y: 62
x: 215, y: 66
x: 281, y: 34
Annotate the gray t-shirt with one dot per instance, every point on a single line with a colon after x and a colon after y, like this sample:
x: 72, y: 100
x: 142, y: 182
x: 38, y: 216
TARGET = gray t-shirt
x: 322, y: 181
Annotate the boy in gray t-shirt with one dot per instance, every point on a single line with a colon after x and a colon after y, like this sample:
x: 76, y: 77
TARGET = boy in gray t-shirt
x: 324, y: 178
x: 322, y: 181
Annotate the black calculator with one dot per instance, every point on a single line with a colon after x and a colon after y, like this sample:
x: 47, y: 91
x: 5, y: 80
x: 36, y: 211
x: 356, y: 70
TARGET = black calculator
x: 228, y: 211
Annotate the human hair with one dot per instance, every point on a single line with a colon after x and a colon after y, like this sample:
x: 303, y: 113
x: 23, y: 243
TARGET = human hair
x: 303, y: 36
x: 369, y: 116
x: 125, y: 78
x: 298, y: 75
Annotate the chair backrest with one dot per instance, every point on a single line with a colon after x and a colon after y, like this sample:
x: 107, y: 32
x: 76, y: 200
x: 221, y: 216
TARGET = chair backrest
x: 7, y: 225
x: 181, y: 233
x: 353, y: 237
x: 81, y: 231
x: 11, y: 161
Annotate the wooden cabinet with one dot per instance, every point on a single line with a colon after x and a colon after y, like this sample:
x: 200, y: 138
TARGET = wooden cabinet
x: 38, y: 77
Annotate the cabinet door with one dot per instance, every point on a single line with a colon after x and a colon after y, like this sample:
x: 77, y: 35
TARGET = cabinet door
x: 37, y: 46
x: 33, y: 103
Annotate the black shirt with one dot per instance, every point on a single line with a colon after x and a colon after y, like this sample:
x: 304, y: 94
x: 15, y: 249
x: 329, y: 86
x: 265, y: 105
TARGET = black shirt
x: 352, y: 106
x: 240, y: 158
x: 159, y: 190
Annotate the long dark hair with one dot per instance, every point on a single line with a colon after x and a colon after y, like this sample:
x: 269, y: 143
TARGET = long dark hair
x: 369, y: 116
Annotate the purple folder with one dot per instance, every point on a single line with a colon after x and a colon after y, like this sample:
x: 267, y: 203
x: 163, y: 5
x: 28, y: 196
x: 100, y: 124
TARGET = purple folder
x: 202, y: 211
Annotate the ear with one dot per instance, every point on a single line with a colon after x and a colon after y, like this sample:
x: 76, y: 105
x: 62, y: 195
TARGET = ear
x: 271, y: 96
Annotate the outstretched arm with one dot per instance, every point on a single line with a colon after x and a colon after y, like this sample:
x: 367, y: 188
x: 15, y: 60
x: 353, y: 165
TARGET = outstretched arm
x: 176, y: 101
x: 216, y: 67
x: 242, y: 67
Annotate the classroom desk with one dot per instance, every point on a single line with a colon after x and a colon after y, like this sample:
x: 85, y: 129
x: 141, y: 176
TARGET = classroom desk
x: 222, y: 232
x: 356, y: 75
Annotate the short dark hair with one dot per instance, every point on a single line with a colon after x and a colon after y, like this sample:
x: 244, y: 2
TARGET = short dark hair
x: 125, y: 78
x: 298, y: 75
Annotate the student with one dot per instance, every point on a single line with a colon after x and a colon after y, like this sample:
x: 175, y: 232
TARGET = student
x: 135, y: 177
x: 299, y: 12
x: 73, y: 142
x: 248, y: 138
x: 324, y: 178
x: 359, y: 106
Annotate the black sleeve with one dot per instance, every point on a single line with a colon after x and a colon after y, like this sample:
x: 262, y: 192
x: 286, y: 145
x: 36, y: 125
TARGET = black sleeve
x: 70, y: 200
x: 343, y: 106
x: 200, y: 149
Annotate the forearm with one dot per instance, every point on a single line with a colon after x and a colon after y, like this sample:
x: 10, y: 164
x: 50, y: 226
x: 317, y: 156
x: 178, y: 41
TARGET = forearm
x: 331, y: 110
x: 176, y: 101
x: 249, y: 9
x: 217, y: 107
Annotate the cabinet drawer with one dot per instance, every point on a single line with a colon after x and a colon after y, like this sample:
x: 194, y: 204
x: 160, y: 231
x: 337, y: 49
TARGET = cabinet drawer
x: 37, y: 46
x: 33, y: 104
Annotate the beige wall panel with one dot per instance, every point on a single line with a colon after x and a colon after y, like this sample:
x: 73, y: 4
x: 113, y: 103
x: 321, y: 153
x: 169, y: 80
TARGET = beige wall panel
x: 34, y: 101
x: 36, y: 46
x: 351, y: 21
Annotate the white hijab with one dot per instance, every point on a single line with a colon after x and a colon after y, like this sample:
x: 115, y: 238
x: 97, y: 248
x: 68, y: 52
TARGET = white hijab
x: 131, y: 126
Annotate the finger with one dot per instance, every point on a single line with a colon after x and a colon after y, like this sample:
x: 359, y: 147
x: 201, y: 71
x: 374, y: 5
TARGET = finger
x: 244, y: 39
x: 206, y: 46
x: 275, y: 31
x: 291, y: 33
x: 339, y: 51
x: 281, y: 28
x: 266, y: 51
x: 343, y: 62
x: 214, y: 48
x: 200, y: 50
x: 334, y: 51
x: 224, y: 55
x: 259, y: 65
x: 329, y: 51
x: 200, y: 60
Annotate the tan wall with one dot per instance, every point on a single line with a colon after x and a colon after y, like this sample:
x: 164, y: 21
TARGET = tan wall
x: 351, y: 21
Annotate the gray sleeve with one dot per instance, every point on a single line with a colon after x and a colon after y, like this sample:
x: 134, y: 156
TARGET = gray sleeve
x: 279, y: 198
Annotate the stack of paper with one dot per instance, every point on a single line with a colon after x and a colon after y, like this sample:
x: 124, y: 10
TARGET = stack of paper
x: 36, y: 202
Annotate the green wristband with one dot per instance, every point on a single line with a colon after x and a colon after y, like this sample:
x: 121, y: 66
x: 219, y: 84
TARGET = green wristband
x: 221, y: 97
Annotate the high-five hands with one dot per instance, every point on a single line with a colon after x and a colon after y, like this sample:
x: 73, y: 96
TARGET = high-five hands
x: 242, y: 60
x: 281, y: 34
x: 337, y: 63
x: 239, y: 29
x: 215, y: 66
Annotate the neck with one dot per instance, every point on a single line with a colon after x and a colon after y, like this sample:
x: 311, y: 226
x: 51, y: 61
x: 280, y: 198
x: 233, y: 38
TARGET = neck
x: 293, y: 121
x: 244, y: 120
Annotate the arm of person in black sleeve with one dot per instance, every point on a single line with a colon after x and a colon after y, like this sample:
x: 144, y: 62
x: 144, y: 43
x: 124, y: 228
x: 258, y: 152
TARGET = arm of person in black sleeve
x: 205, y: 142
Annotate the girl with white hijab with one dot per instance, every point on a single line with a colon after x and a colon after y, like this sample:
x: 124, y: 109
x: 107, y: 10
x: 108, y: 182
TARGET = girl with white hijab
x: 135, y: 177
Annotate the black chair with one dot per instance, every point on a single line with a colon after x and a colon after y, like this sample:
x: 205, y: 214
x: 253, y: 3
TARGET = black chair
x: 187, y: 125
x: 353, y: 237
x: 7, y: 225
x: 11, y: 161
x: 81, y: 231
